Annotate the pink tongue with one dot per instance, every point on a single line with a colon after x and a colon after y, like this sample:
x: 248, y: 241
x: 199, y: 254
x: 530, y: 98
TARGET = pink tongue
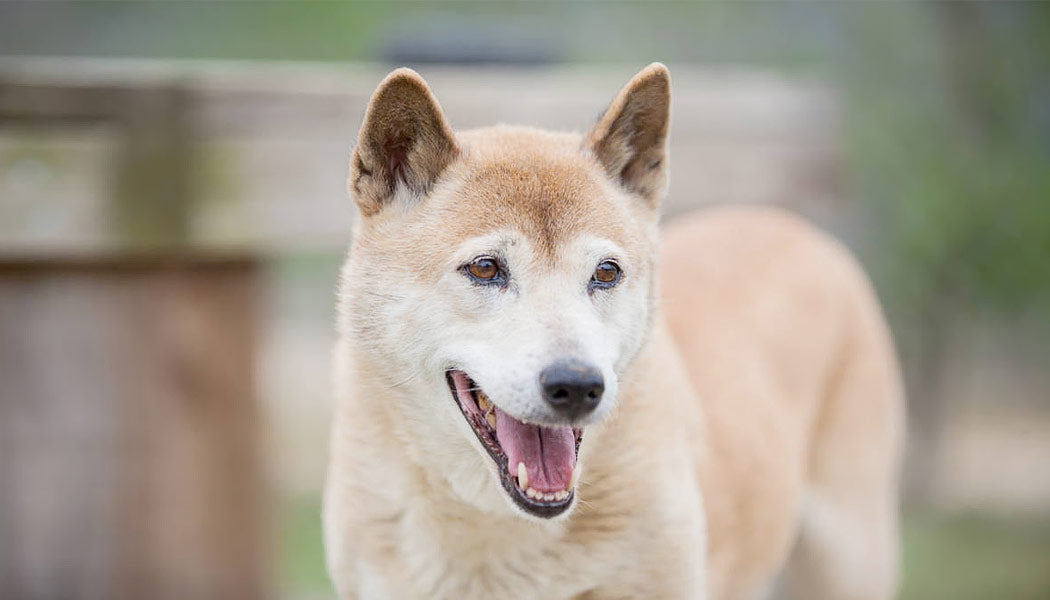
x: 549, y: 453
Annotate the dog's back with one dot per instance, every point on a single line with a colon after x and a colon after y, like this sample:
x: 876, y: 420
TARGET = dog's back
x: 784, y: 342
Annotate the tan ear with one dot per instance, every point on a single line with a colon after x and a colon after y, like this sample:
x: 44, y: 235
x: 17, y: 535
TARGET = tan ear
x: 630, y: 139
x: 404, y: 141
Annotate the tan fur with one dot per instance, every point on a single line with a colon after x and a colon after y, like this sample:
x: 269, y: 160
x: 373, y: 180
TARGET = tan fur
x: 754, y: 415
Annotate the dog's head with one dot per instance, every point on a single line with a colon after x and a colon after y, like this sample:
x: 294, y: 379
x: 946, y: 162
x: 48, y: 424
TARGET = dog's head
x: 500, y: 282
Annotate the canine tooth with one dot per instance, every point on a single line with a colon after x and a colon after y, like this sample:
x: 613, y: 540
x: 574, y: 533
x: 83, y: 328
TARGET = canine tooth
x: 491, y: 418
x: 575, y: 479
x: 483, y: 402
x: 523, y: 476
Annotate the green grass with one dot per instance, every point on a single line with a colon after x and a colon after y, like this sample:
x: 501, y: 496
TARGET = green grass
x: 972, y: 557
x: 976, y: 557
x: 302, y: 568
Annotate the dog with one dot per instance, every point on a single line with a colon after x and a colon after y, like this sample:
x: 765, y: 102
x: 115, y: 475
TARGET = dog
x: 537, y: 398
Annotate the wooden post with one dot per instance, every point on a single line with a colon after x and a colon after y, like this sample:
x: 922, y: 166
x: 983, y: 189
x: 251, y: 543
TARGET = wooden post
x: 129, y: 460
x: 152, y: 195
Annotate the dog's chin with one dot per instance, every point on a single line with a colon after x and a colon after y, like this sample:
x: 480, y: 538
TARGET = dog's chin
x: 536, y: 464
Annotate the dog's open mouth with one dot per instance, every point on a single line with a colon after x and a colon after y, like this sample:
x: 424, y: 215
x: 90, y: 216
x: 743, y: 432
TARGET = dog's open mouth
x: 537, y: 464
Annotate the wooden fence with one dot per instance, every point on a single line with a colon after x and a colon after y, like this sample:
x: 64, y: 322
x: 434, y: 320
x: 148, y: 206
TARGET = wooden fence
x: 251, y: 155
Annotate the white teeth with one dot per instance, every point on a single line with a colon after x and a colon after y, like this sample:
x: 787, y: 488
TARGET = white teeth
x: 491, y: 418
x: 546, y: 496
x: 523, y: 484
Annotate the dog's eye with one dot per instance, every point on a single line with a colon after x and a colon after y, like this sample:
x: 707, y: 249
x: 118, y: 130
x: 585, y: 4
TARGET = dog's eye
x: 606, y: 275
x: 484, y: 269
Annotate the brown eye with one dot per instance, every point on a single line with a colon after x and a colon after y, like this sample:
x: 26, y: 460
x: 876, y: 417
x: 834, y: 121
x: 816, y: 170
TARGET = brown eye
x: 485, y: 269
x: 607, y: 274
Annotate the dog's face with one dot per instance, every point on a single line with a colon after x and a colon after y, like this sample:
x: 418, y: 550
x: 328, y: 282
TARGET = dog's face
x: 501, y: 281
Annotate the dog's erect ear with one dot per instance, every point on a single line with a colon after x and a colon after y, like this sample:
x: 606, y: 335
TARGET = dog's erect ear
x: 630, y: 139
x: 404, y: 141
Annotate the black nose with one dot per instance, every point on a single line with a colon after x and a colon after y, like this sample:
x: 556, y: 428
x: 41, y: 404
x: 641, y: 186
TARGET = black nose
x: 573, y: 388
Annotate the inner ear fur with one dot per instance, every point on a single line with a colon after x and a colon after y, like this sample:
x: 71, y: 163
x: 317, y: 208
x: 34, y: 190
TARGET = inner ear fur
x: 404, y: 141
x: 630, y: 139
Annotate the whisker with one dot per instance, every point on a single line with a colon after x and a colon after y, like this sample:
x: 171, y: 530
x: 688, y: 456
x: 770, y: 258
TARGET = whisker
x: 406, y: 380
x: 384, y: 296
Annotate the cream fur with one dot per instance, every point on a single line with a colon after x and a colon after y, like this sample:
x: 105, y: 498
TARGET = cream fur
x: 752, y: 415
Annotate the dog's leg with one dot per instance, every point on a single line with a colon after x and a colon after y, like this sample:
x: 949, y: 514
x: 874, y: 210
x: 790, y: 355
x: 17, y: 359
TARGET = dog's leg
x: 847, y: 547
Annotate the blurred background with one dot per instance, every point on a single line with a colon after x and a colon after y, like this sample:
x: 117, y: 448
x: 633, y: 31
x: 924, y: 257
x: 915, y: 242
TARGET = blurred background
x: 173, y: 214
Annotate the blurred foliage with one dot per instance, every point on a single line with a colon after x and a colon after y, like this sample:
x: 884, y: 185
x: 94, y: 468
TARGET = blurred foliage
x: 950, y: 144
x: 219, y: 29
